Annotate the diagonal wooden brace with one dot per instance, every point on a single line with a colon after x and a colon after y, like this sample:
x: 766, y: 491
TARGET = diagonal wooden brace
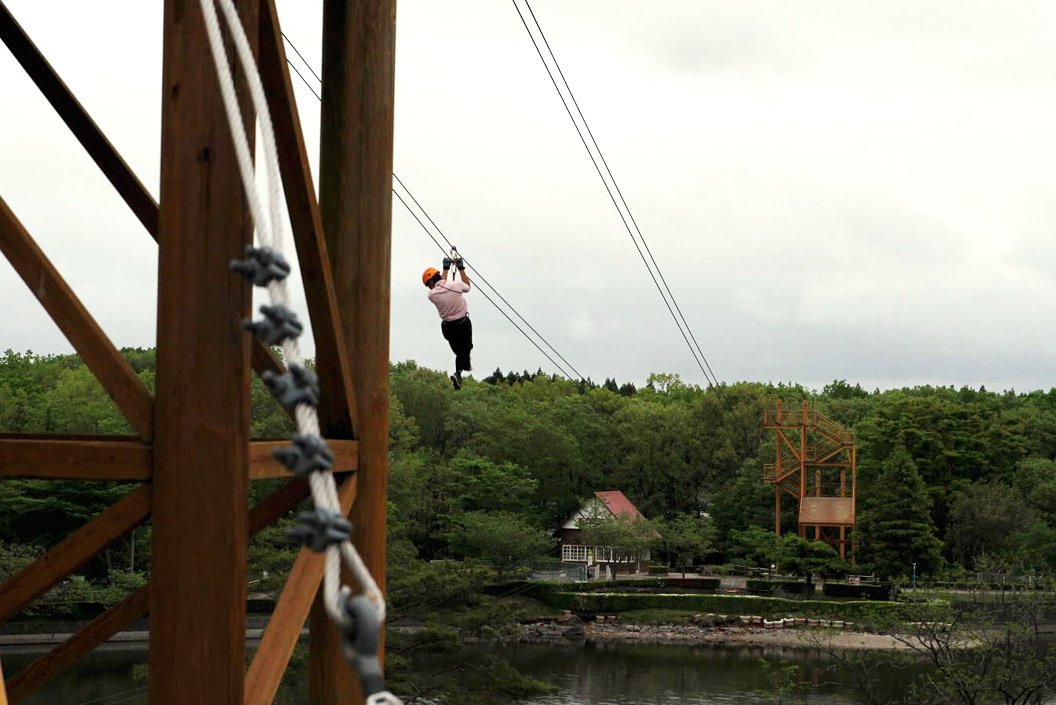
x: 306, y: 221
x: 100, y: 355
x: 74, y: 551
x: 118, y: 617
x: 287, y: 620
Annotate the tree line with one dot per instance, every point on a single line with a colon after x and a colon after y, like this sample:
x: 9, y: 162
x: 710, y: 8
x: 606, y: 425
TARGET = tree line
x: 946, y: 477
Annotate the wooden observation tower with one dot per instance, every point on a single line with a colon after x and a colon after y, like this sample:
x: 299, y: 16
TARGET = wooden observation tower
x: 191, y: 455
x: 814, y: 455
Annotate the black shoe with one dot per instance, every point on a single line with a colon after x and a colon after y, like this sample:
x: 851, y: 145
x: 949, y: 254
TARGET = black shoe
x: 455, y: 380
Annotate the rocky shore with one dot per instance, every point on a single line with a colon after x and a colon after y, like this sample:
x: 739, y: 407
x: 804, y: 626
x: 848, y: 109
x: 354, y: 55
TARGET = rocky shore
x: 705, y: 629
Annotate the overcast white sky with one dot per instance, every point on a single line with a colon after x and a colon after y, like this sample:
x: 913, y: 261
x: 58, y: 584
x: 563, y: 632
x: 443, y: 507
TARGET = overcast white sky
x: 833, y: 190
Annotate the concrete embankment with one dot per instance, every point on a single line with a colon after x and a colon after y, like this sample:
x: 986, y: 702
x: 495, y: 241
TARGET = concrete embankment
x: 29, y: 634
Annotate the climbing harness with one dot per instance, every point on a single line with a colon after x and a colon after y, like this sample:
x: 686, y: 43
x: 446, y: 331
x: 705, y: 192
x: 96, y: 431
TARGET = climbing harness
x: 325, y: 529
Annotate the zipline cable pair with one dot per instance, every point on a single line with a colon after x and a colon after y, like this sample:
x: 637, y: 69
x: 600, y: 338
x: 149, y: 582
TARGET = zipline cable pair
x: 477, y: 275
x: 680, y: 320
x: 324, y: 530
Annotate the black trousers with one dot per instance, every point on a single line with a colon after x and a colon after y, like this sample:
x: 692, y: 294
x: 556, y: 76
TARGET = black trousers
x: 459, y: 334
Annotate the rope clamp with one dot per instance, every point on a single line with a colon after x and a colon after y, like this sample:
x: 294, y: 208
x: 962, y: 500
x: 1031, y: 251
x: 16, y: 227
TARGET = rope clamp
x: 263, y: 265
x: 308, y: 454
x: 360, y: 645
x: 279, y: 323
x: 320, y: 529
x: 298, y: 385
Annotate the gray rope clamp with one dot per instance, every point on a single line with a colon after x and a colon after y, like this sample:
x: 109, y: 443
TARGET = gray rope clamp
x: 308, y: 454
x: 320, y: 529
x: 263, y: 266
x: 278, y: 324
x: 359, y: 641
x: 298, y: 385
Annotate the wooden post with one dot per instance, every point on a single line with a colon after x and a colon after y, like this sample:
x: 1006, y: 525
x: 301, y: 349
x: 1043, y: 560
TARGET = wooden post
x: 355, y: 187
x: 201, y: 460
x: 777, y: 508
x: 777, y: 476
x: 3, y: 689
x: 802, y: 459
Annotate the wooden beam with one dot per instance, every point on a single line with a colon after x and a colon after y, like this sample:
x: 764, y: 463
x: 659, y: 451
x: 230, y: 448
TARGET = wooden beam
x: 201, y: 456
x: 97, y: 458
x: 97, y: 145
x: 262, y: 358
x: 263, y: 466
x: 103, y: 627
x: 99, y: 354
x: 96, y: 632
x: 80, y: 123
x: 355, y: 198
x: 65, y: 459
x: 782, y: 437
x: 287, y: 619
x: 3, y: 688
x: 74, y: 551
x: 307, y: 222
x: 278, y: 503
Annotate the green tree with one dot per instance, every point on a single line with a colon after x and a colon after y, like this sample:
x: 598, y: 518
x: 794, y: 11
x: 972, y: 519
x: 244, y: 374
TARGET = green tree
x: 685, y: 539
x: 807, y: 558
x: 503, y: 540
x: 985, y: 520
x: 755, y: 545
x: 895, y: 530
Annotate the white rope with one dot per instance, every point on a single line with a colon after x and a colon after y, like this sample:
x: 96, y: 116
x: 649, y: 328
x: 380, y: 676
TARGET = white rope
x: 270, y: 231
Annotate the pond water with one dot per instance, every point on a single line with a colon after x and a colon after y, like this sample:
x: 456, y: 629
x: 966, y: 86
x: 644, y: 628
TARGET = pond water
x: 641, y: 674
x: 588, y: 674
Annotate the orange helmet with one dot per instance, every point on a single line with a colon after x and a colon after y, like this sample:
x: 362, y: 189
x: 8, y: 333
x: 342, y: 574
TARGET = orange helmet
x: 429, y: 274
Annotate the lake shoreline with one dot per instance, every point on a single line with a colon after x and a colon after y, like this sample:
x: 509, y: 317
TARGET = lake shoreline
x: 556, y: 631
x: 682, y: 635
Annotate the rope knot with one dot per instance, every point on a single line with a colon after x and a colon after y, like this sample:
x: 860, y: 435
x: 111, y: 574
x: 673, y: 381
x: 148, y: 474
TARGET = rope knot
x: 320, y: 529
x: 279, y: 324
x: 262, y: 266
x: 308, y: 454
x: 298, y: 385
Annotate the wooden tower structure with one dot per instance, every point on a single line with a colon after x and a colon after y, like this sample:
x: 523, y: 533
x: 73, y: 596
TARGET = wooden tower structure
x: 814, y: 456
x: 191, y: 456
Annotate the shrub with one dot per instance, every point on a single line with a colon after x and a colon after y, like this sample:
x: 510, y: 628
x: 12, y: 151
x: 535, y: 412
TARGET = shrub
x: 795, y: 587
x: 615, y: 603
x: 865, y: 591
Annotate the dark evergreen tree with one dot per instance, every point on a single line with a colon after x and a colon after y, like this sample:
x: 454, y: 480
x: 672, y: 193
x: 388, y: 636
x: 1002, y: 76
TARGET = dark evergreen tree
x: 895, y: 530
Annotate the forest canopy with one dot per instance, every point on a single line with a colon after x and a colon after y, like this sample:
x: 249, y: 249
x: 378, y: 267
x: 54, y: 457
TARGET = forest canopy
x: 486, y: 473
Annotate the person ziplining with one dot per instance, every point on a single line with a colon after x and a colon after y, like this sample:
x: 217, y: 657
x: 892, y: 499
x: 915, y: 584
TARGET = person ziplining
x: 454, y: 312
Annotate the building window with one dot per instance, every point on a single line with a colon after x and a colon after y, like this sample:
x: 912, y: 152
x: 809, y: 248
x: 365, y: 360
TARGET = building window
x: 574, y: 553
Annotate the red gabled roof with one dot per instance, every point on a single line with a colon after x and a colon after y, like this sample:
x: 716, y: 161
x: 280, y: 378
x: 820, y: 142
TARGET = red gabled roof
x: 618, y: 504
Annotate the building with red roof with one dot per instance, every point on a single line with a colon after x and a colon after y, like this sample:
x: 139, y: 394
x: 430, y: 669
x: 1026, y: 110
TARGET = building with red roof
x: 613, y: 505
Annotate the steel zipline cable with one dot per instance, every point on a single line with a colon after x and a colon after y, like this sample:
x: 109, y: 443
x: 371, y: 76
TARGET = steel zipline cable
x: 698, y: 354
x: 574, y: 372
x: 490, y: 300
x: 481, y: 277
